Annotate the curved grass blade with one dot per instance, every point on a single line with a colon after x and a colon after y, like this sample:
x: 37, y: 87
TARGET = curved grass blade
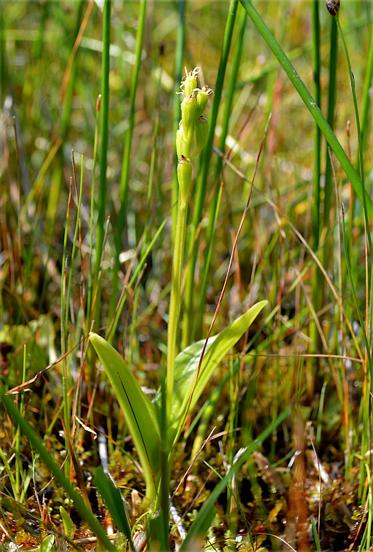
x: 311, y: 105
x: 204, y: 517
x: 84, y: 511
x: 139, y: 411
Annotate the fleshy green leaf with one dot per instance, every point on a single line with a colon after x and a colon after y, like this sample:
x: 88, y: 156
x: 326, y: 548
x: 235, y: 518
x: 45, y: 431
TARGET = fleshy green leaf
x: 138, y: 410
x: 189, y: 385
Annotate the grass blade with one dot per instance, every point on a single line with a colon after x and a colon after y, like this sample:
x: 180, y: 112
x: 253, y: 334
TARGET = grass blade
x: 202, y: 522
x: 84, y: 511
x: 317, y: 139
x: 215, y: 203
x: 104, y: 134
x: 332, y: 92
x: 126, y: 164
x: 311, y: 105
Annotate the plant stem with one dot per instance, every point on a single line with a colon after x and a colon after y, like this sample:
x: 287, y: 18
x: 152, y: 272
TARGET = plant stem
x: 175, y: 301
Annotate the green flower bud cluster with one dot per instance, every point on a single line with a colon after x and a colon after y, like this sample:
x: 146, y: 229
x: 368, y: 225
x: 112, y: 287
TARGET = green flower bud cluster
x: 192, y: 133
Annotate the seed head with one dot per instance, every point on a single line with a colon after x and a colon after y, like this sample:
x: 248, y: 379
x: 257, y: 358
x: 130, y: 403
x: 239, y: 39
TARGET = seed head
x: 333, y: 6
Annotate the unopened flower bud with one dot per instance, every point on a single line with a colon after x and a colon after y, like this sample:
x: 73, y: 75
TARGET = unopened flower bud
x: 189, y: 111
x: 201, y: 133
x: 202, y: 98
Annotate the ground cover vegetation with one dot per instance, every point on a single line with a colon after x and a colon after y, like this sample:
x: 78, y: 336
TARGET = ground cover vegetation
x: 186, y: 285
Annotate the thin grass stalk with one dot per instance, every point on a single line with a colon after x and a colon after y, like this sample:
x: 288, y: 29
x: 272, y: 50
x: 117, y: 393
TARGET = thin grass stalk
x: 66, y: 286
x: 3, y: 68
x: 367, y: 392
x: 175, y: 300
x: 316, y: 201
x: 164, y: 487
x: 204, y: 517
x: 83, y: 509
x: 317, y: 137
x: 64, y: 306
x: 91, y: 278
x: 126, y: 162
x: 78, y: 199
x: 365, y: 121
x: 360, y: 159
x: 104, y: 135
x: 187, y: 322
x: 310, y: 104
x: 179, y: 57
x: 19, y: 468
x: 332, y: 93
x: 57, y: 176
x: 215, y: 203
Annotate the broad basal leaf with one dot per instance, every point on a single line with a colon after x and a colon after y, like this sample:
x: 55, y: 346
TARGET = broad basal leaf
x: 138, y: 410
x: 191, y: 381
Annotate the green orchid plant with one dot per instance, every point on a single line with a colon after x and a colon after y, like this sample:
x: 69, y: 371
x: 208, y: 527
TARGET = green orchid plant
x: 187, y: 373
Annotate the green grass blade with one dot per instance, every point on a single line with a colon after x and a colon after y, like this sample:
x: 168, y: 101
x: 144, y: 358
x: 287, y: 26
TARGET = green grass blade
x: 365, y: 121
x: 113, y: 500
x: 137, y: 272
x: 202, y: 522
x: 104, y: 134
x: 315, y: 535
x: 360, y: 162
x: 317, y: 138
x: 138, y: 410
x: 37, y: 444
x: 311, y: 105
x: 124, y: 180
x: 332, y: 98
